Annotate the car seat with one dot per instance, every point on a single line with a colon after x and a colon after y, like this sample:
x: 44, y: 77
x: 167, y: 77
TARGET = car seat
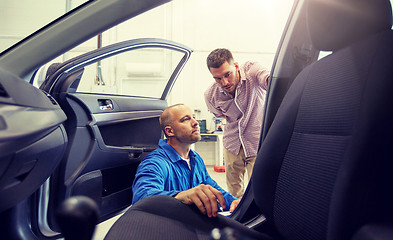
x: 324, y: 170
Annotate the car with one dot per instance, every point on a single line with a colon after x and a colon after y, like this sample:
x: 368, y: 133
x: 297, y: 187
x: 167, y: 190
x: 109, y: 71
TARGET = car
x: 60, y: 139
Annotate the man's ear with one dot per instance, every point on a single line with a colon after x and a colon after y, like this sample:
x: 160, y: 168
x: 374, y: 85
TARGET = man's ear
x: 169, y: 131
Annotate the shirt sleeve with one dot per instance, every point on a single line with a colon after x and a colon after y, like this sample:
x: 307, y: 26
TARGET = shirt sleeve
x: 261, y: 74
x: 149, y: 180
x: 210, y: 105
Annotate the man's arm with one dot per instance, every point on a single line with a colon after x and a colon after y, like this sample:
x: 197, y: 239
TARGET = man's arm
x: 211, y: 106
x: 229, y: 198
x: 260, y: 73
x: 149, y: 180
x: 205, y: 197
x: 230, y: 201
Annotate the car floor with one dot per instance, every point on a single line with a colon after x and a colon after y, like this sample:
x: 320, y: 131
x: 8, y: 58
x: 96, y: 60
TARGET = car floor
x: 104, y: 227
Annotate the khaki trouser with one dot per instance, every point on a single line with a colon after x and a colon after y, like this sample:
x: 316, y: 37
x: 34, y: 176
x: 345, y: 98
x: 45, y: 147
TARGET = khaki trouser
x: 235, y: 167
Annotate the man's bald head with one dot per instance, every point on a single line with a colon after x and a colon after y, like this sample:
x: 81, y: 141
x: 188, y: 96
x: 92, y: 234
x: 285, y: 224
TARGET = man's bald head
x: 166, y: 117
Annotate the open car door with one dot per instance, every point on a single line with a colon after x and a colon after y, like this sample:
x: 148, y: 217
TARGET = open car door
x: 112, y: 97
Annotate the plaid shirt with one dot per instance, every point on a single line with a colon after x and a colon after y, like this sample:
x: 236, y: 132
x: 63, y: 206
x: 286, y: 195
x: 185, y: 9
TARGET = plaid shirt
x: 244, y: 111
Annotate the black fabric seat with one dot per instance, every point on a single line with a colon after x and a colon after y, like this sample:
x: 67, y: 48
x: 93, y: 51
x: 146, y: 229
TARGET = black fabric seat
x: 164, y: 217
x: 325, y: 167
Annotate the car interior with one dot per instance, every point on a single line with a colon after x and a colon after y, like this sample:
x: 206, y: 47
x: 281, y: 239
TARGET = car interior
x: 108, y: 135
x: 323, y: 169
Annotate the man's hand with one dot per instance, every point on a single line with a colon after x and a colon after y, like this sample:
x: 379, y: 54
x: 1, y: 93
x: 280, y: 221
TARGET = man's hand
x: 205, y: 197
x: 234, y: 205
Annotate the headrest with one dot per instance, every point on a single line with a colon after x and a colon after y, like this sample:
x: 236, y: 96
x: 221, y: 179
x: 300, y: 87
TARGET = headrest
x: 334, y: 24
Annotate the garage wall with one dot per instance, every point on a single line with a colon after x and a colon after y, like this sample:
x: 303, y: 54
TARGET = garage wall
x: 251, y: 29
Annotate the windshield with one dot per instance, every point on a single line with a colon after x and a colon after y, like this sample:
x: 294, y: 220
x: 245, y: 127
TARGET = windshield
x: 19, y: 19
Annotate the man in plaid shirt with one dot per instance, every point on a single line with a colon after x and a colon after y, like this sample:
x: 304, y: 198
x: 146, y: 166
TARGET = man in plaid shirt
x: 238, y: 95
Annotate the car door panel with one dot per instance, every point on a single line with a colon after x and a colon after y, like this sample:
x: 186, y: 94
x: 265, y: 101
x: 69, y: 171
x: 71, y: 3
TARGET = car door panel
x: 108, y: 134
x: 131, y: 133
x: 106, y: 148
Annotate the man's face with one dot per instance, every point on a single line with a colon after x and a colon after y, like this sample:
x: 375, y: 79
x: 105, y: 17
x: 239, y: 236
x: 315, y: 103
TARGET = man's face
x: 184, y: 128
x: 226, y: 76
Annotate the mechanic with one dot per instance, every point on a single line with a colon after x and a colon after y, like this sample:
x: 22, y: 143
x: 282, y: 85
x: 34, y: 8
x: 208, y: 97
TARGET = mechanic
x: 174, y: 169
x: 238, y: 95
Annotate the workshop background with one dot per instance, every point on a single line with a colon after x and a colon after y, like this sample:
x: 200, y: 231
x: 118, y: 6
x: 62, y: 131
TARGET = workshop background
x: 202, y: 25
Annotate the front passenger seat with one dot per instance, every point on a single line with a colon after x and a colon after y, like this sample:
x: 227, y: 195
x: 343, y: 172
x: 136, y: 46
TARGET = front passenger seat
x: 325, y: 167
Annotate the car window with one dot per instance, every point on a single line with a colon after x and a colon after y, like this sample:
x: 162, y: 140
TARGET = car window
x: 140, y: 72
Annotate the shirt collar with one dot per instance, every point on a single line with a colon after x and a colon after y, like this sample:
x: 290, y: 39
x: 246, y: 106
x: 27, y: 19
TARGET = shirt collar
x: 171, y: 152
x: 242, y: 75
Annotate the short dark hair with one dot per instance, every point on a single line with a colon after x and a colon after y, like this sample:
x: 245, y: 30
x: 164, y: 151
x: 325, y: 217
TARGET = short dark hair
x: 166, y: 117
x: 218, y: 57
